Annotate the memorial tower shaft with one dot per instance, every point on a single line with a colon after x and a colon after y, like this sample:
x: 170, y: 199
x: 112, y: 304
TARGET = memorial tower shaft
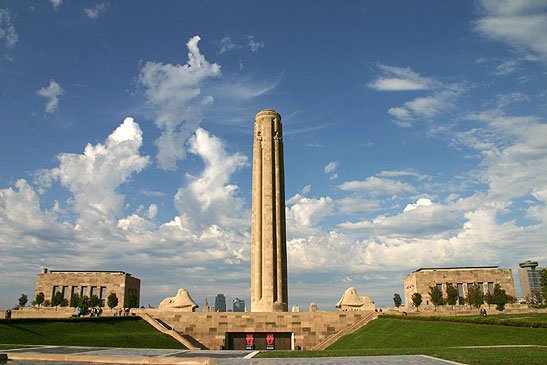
x: 268, y: 248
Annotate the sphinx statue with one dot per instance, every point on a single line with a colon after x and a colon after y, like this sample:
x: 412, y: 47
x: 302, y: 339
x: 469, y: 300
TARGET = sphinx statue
x: 351, y: 301
x: 181, y: 301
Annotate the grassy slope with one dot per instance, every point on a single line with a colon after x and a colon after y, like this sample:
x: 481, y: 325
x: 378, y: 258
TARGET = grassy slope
x: 108, y: 332
x: 398, y: 337
x: 393, y: 333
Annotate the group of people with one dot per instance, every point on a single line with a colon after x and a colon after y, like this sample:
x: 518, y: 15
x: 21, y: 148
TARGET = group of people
x: 93, y: 312
x: 122, y: 312
x: 96, y: 312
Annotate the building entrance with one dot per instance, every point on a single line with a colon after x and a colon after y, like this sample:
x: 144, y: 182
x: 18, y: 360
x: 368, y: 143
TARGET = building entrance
x: 259, y: 341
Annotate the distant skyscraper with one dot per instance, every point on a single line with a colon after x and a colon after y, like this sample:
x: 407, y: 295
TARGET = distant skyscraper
x: 220, y: 303
x: 239, y: 305
x: 529, y: 278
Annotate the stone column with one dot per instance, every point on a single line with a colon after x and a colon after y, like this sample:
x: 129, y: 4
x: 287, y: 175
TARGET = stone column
x: 268, y: 248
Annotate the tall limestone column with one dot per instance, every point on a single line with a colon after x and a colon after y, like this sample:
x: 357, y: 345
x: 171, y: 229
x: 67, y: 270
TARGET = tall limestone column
x: 269, y: 247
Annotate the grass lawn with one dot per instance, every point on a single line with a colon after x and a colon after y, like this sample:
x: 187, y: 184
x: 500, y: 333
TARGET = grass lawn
x: 394, y: 333
x: 386, y: 336
x: 506, y: 356
x: 107, y: 332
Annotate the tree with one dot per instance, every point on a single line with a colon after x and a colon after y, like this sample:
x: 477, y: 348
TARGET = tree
x: 39, y: 300
x: 451, y: 295
x: 84, y: 303
x: 475, y: 297
x: 112, y: 300
x: 397, y: 300
x: 23, y: 299
x: 94, y: 301
x: 436, y: 296
x: 131, y: 301
x: 489, y: 299
x: 500, y: 298
x: 47, y: 303
x: 535, y: 299
x: 543, y: 283
x: 417, y: 300
x: 74, y: 300
x: 57, y: 299
x: 64, y: 302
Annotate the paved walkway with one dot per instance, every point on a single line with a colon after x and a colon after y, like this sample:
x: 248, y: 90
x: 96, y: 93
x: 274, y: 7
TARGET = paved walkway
x: 74, y: 355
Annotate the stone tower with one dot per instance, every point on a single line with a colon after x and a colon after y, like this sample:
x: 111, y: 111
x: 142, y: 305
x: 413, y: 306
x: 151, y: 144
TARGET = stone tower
x: 268, y: 248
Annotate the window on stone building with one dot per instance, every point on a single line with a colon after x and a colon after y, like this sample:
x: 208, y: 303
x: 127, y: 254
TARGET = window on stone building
x: 93, y: 291
x: 55, y: 290
x: 84, y: 291
x: 102, y: 296
x: 440, y: 287
x: 481, y: 287
x: 491, y: 287
x: 66, y: 293
x: 469, y: 286
x: 460, y: 293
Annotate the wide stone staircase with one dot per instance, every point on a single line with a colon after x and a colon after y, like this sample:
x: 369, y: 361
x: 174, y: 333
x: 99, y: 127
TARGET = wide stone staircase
x: 354, y: 327
x: 188, y: 341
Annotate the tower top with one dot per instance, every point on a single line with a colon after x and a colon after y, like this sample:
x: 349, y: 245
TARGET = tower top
x: 267, y: 112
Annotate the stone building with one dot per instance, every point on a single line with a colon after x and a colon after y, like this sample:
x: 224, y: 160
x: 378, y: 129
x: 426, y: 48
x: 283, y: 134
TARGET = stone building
x: 529, y: 278
x: 486, y: 277
x: 88, y: 283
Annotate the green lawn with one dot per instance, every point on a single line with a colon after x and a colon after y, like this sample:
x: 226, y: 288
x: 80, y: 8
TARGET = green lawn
x: 394, y: 333
x: 107, y: 332
x: 514, y: 320
x: 386, y: 336
x: 506, y: 356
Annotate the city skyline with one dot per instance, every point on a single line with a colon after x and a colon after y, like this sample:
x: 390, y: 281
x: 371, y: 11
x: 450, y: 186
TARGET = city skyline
x: 413, y: 137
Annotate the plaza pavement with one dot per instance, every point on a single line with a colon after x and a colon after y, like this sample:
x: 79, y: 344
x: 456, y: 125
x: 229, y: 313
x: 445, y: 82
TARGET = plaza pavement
x: 76, y: 355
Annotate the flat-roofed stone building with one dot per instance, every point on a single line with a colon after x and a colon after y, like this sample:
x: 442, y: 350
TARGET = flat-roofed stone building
x: 88, y: 283
x: 486, y: 277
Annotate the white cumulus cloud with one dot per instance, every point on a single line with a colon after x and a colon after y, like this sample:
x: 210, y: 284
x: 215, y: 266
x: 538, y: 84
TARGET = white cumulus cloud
x: 94, y: 176
x: 7, y: 30
x: 56, y: 3
x: 52, y: 92
x: 520, y: 24
x: 94, y: 11
x: 401, y: 79
x: 210, y: 198
x: 378, y: 186
x: 174, y: 93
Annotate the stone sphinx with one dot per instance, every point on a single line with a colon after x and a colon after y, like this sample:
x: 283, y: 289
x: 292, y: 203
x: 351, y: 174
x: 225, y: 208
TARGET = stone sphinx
x: 181, y: 301
x: 351, y: 301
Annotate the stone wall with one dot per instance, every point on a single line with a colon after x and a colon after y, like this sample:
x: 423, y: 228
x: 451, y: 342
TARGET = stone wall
x: 309, y: 328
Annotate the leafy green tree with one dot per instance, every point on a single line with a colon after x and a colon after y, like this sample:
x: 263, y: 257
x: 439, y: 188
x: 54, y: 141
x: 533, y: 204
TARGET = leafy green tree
x: 23, y: 299
x: 543, y: 283
x: 39, y: 300
x: 112, y: 300
x: 417, y: 300
x: 451, y: 295
x: 500, y: 298
x: 64, y: 302
x: 535, y: 299
x: 475, y: 298
x: 489, y: 299
x: 74, y: 300
x: 397, y: 300
x: 131, y: 301
x: 436, y: 296
x: 47, y: 303
x: 94, y: 301
x: 57, y: 299
x: 84, y: 303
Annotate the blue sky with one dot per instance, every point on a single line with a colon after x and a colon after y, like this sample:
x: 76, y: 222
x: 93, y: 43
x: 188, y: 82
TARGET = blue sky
x: 415, y: 136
